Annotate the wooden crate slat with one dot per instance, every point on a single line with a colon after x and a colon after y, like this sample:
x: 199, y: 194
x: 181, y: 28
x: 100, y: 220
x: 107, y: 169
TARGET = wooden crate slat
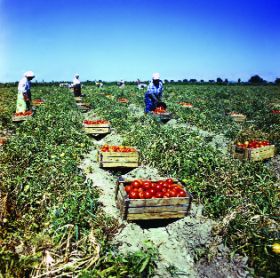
x: 238, y: 117
x: 158, y: 202
x: 120, y: 159
x: 105, y: 155
x: 119, y: 164
x: 96, y: 125
x: 156, y: 215
x: 78, y: 99
x: 158, y: 209
x: 101, y: 130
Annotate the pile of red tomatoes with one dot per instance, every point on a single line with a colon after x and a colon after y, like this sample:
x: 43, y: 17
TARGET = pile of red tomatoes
x: 146, y: 189
x: 123, y: 149
x: 253, y: 144
x: 95, y: 122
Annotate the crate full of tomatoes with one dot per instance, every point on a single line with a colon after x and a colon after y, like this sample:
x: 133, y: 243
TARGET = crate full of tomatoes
x: 96, y: 127
x: 37, y: 102
x: 185, y: 104
x: 147, y: 199
x: 118, y: 156
x: 162, y: 114
x: 22, y: 116
x: 123, y: 100
x: 3, y: 141
x: 83, y: 106
x: 237, y: 117
x: 253, y: 150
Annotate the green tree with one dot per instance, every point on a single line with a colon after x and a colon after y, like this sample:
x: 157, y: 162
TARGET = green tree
x: 256, y: 79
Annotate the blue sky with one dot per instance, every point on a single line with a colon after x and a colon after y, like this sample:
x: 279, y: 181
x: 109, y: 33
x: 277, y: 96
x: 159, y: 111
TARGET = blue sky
x: 130, y: 39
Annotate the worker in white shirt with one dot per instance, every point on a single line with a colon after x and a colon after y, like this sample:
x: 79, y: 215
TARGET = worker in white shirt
x: 77, y: 86
x: 24, y: 93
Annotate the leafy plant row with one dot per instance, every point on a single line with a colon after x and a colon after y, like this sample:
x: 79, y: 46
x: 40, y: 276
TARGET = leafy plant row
x: 51, y: 220
x: 241, y: 195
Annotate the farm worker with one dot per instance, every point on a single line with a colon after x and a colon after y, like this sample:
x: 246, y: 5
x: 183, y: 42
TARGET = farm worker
x: 24, y: 93
x: 122, y: 85
x: 77, y: 86
x: 154, y: 93
x: 99, y: 84
x: 140, y: 85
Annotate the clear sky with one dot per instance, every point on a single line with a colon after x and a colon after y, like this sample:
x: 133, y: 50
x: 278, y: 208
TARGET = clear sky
x: 130, y: 39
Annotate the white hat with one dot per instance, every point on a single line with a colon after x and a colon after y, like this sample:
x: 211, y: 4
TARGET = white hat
x: 77, y: 75
x: 29, y: 74
x: 156, y: 75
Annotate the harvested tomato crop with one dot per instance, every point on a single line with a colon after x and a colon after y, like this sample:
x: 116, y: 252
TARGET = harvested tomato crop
x: 21, y: 114
x: 146, y: 189
x: 159, y: 110
x: 253, y: 144
x: 123, y: 149
x: 95, y: 122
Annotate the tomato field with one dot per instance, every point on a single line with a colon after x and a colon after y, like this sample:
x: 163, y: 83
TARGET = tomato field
x: 52, y: 219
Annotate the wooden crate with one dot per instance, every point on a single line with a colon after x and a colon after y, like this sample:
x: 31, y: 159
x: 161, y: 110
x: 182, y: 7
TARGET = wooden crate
x: 275, y: 104
x: 3, y: 205
x: 34, y: 103
x: 78, y: 99
x: 163, y: 117
x: 185, y: 104
x: 149, y: 209
x: 97, y: 128
x: 21, y: 118
x: 84, y: 107
x: 238, y: 117
x: 123, y: 100
x: 118, y: 159
x: 3, y: 140
x: 254, y: 154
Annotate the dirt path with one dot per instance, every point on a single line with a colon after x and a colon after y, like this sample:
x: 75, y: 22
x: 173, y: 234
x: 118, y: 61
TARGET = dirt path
x: 179, y: 243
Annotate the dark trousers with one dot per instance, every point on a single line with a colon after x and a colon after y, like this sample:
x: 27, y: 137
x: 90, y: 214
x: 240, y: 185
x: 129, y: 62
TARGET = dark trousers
x: 29, y: 101
x: 77, y: 90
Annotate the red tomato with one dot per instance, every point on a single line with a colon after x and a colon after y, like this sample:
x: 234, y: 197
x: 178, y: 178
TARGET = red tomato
x: 128, y: 188
x: 182, y: 193
x: 136, y: 183
x: 159, y: 187
x: 141, y: 194
x: 147, y: 184
x: 169, y: 181
x: 173, y: 193
x: 159, y: 195
x: 148, y: 195
x: 152, y: 191
x: 165, y: 184
x: 153, y: 185
x: 166, y: 195
x: 164, y: 190
x: 160, y: 182
x: 133, y: 194
x: 177, y: 187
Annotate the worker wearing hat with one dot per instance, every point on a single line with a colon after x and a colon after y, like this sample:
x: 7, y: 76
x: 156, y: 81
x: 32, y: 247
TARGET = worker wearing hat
x: 24, y: 93
x: 77, y: 86
x: 154, y: 93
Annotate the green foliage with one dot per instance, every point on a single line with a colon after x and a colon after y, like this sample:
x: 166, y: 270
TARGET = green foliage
x: 240, y: 192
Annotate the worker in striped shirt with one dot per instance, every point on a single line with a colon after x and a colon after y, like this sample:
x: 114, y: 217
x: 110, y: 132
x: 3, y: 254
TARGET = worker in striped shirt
x: 154, y: 93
